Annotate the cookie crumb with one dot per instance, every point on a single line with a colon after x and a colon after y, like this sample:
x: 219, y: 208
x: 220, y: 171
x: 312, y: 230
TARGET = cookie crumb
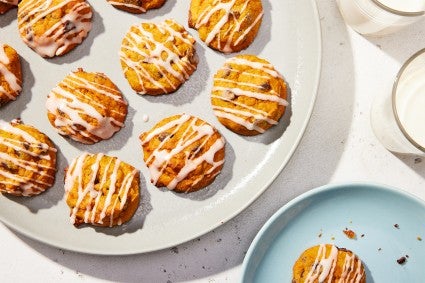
x: 396, y: 226
x: 401, y: 260
x: 349, y: 233
x: 379, y: 249
x: 362, y: 235
x: 332, y: 238
x: 419, y: 238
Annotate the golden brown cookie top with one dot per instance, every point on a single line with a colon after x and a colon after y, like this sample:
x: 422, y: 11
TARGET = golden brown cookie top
x: 136, y: 6
x: 87, y: 107
x: 10, y: 74
x: 27, y: 159
x: 226, y: 25
x: 328, y: 263
x: 183, y: 153
x: 249, y: 95
x: 53, y: 28
x: 101, y: 190
x: 158, y: 58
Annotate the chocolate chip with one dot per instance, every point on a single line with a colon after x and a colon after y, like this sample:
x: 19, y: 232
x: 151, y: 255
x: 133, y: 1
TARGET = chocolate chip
x: 69, y: 26
x: 163, y: 136
x: 26, y: 145
x: 60, y: 112
x: 266, y: 86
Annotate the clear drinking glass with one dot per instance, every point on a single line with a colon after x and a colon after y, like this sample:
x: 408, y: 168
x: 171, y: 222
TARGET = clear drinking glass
x: 381, y: 17
x: 398, y: 118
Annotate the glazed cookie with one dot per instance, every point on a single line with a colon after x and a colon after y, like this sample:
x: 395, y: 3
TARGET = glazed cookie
x: 10, y: 74
x: 101, y: 190
x: 6, y: 5
x: 87, y: 107
x: 136, y: 6
x: 27, y: 160
x: 53, y: 28
x: 158, y: 58
x: 183, y: 153
x: 249, y: 95
x: 226, y: 25
x: 328, y: 263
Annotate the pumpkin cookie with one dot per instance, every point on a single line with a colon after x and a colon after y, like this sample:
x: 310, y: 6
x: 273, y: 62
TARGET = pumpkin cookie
x: 183, y: 153
x: 101, y: 190
x: 87, y: 107
x: 226, y: 25
x: 27, y: 160
x: 249, y: 95
x: 158, y: 58
x: 136, y: 6
x: 10, y: 74
x: 328, y: 263
x: 6, y: 5
x: 53, y: 28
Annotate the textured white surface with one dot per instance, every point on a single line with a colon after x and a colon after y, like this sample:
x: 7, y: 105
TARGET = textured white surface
x: 338, y: 146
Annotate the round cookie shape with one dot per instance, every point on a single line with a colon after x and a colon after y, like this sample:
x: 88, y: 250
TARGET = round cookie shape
x: 27, y: 160
x: 158, y: 58
x: 101, y: 190
x: 6, y: 5
x: 87, y: 107
x: 183, y: 153
x: 249, y: 95
x: 136, y: 6
x: 10, y: 74
x: 226, y: 25
x: 328, y: 263
x: 55, y: 27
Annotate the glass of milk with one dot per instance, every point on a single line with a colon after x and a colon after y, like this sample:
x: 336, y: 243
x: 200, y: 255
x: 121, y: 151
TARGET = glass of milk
x: 381, y: 17
x: 398, y: 118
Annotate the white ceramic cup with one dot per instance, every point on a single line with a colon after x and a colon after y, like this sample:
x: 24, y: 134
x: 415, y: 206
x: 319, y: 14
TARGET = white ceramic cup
x: 381, y: 17
x: 398, y: 117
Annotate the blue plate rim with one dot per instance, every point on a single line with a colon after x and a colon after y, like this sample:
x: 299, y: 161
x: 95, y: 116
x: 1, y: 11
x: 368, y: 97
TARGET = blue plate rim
x: 315, y: 191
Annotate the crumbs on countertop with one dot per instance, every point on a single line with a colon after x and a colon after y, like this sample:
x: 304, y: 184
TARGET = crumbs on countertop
x: 396, y: 226
x: 419, y: 238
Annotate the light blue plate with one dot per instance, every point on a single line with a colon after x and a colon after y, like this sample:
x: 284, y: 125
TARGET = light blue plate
x: 371, y: 210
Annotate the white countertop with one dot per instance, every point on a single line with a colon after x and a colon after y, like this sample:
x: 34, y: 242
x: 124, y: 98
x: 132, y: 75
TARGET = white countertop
x: 338, y: 146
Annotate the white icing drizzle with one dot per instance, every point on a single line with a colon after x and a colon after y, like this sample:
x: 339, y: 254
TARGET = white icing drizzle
x: 68, y: 98
x: 68, y: 31
x: 251, y: 116
x: 217, y: 7
x: 22, y: 141
x: 257, y: 95
x: 265, y: 67
x: 158, y: 161
x: 11, y: 79
x: 351, y: 273
x: 128, y: 5
x: 90, y: 189
x: 154, y: 55
x: 324, y: 267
